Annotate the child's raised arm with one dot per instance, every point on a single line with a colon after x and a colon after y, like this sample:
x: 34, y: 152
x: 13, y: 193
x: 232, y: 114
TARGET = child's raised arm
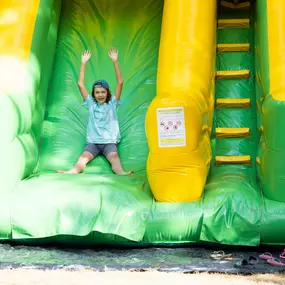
x: 113, y: 54
x: 84, y: 59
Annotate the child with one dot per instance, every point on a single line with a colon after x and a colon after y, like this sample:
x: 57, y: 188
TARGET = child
x: 103, y: 129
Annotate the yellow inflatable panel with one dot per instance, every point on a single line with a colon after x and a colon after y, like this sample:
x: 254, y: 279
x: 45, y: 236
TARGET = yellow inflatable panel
x: 16, y: 33
x: 232, y: 74
x: 17, y: 21
x: 232, y: 132
x: 233, y: 47
x: 233, y: 103
x: 276, y: 44
x: 243, y: 5
x: 233, y: 23
x: 179, y: 119
x: 241, y: 159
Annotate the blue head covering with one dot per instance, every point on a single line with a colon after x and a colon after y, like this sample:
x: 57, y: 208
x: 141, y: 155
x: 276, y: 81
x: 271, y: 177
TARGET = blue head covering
x: 100, y: 84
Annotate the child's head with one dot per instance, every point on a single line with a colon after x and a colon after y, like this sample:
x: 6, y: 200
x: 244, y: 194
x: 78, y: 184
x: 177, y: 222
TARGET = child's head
x: 101, y: 92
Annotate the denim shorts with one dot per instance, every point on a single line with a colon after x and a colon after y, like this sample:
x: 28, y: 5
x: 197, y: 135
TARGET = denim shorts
x: 97, y: 149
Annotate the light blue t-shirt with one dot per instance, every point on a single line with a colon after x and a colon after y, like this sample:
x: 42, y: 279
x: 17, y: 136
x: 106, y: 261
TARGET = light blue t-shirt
x: 103, y: 125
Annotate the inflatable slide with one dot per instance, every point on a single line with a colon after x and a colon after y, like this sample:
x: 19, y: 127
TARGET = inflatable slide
x: 201, y: 118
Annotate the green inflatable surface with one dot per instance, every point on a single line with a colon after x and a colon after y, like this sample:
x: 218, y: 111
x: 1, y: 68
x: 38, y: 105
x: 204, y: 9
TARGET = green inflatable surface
x: 98, y: 206
x: 48, y: 204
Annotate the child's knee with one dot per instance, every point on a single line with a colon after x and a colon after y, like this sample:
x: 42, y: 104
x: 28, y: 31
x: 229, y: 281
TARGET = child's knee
x: 84, y: 158
x: 113, y: 156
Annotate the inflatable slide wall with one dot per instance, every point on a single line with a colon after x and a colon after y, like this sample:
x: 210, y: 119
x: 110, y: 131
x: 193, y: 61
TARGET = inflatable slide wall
x: 202, y: 119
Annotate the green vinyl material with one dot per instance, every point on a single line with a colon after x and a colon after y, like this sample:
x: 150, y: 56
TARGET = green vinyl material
x: 24, y: 110
x: 271, y: 113
x: 232, y: 198
x: 271, y: 148
x: 97, y: 205
x: 48, y: 129
x: 96, y: 200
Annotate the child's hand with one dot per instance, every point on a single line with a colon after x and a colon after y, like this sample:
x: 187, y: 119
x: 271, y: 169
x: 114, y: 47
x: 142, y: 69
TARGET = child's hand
x: 85, y: 56
x: 113, y: 54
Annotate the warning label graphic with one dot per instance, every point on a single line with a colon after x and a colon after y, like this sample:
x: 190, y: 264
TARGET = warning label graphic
x: 171, y: 127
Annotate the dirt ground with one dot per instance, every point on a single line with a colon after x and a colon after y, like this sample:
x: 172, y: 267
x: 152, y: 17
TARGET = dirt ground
x: 60, y: 277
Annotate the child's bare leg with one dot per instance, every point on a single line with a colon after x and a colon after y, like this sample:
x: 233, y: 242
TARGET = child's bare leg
x: 83, y: 159
x: 114, y: 159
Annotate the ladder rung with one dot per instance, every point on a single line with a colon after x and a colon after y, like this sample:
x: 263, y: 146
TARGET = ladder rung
x: 243, y: 5
x: 242, y: 159
x: 233, y: 103
x: 232, y: 74
x: 233, y: 23
x: 232, y: 132
x: 258, y: 160
x: 233, y: 47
